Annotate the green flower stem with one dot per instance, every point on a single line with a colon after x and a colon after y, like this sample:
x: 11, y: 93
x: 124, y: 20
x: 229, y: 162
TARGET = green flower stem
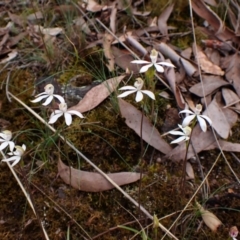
x: 151, y: 85
x: 183, y: 180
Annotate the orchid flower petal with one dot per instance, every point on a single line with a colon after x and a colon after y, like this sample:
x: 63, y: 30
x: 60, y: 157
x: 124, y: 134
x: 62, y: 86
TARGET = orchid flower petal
x: 68, y: 118
x: 16, y: 159
x: 126, y: 93
x: 176, y: 133
x: 187, y: 111
x: 55, y: 117
x: 159, y: 68
x: 139, y: 96
x: 207, y: 118
x: 140, y: 61
x: 180, y: 139
x: 187, y: 120
x: 74, y: 112
x: 48, y: 100
x: 202, y: 123
x: 11, y: 145
x: 60, y: 98
x: 127, y: 88
x: 165, y: 64
x: 39, y: 98
x: 3, y: 145
x: 149, y: 93
x: 145, y: 68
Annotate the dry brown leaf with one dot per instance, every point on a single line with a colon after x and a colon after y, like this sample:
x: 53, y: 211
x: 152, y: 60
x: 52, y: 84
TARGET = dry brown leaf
x: 222, y: 118
x: 138, y: 13
x: 123, y: 59
x: 211, y: 2
x: 187, y: 53
x: 163, y: 18
x: 19, y: 20
x: 209, y: 218
x: 171, y: 77
x: 4, y: 40
x: 225, y: 146
x: 35, y: 16
x: 65, y: 9
x: 11, y: 56
x: 97, y: 94
x: 93, y: 6
x: 16, y: 39
x: 209, y: 84
x: 176, y: 59
x: 107, y: 42
x: 82, y: 24
x: 137, y: 45
x: 113, y: 17
x: 91, y: 181
x: 232, y: 65
x: 230, y: 97
x: 189, y: 171
x: 165, y: 95
x: 207, y: 14
x: 149, y: 133
x: 206, y: 65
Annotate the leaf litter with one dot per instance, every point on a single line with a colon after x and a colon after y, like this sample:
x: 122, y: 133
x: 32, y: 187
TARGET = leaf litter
x: 219, y: 65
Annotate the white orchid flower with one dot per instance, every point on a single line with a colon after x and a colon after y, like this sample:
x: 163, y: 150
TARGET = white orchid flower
x: 138, y: 89
x: 185, y: 134
x: 6, y: 136
x: 49, y: 90
x: 16, y: 155
x: 64, y: 111
x: 157, y: 65
x: 233, y: 232
x: 196, y: 114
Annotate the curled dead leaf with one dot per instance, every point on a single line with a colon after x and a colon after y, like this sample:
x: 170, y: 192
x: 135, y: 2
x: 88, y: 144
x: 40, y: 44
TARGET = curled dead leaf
x: 176, y: 59
x: 107, y: 41
x: 205, y: 64
x: 209, y: 218
x: 91, y: 181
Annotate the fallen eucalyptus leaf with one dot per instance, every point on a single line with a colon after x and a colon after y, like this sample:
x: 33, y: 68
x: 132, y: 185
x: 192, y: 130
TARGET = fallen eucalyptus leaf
x: 107, y: 41
x: 222, y: 118
x: 230, y: 97
x: 97, y: 94
x: 232, y: 65
x: 209, y: 84
x: 163, y: 18
x: 91, y: 181
x: 171, y: 77
x: 149, y: 133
